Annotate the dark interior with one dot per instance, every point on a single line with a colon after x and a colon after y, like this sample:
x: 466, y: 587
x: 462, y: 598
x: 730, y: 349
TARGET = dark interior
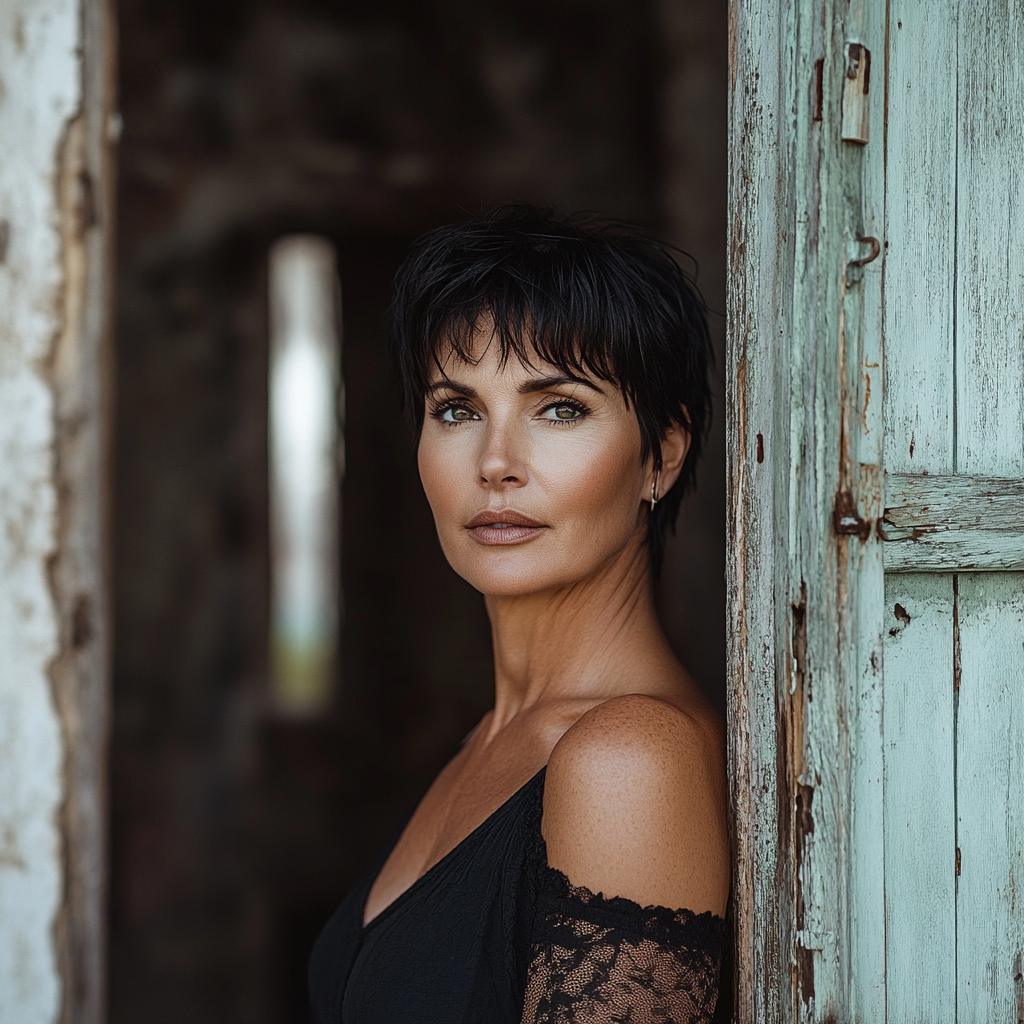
x: 235, y: 829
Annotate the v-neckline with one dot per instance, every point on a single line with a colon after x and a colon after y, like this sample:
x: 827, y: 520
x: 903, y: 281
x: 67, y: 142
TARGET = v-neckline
x: 365, y: 926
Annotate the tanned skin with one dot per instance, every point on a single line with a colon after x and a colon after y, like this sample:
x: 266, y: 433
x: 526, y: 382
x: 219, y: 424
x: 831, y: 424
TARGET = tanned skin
x: 585, y: 682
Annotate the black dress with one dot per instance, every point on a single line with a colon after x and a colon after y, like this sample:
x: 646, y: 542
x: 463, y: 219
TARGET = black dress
x: 492, y: 935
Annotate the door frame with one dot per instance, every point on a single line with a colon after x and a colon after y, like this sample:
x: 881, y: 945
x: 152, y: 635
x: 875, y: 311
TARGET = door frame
x: 805, y: 492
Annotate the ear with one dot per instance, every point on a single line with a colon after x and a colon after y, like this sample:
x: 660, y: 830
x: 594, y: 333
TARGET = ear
x: 674, y: 446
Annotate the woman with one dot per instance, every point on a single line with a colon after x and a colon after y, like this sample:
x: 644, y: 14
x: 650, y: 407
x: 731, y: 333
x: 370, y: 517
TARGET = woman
x: 571, y: 863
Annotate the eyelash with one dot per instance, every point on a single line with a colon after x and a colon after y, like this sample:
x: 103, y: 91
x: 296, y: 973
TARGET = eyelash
x: 569, y: 403
x: 438, y: 411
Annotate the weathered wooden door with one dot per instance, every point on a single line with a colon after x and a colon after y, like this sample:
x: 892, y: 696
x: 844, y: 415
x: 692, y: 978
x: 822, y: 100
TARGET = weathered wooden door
x: 954, y: 529
x: 877, y: 509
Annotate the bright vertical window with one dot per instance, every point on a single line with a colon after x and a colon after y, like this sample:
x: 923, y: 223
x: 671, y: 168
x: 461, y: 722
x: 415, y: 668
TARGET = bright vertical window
x: 305, y: 447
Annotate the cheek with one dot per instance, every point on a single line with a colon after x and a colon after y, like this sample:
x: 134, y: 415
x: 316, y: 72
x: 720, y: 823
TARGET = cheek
x: 594, y: 483
x: 442, y: 473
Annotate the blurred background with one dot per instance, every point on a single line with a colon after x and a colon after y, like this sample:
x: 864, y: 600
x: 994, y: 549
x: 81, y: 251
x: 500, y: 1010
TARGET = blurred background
x: 244, y: 803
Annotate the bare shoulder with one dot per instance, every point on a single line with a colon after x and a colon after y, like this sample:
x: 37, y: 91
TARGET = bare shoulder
x: 635, y: 804
x: 637, y: 727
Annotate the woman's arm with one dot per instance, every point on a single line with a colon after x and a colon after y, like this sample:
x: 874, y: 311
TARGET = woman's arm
x: 628, y: 919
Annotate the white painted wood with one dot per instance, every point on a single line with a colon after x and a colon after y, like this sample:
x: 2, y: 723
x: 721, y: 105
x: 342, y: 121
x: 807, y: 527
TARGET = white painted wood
x: 990, y: 799
x: 990, y: 241
x: 920, y: 844
x: 37, y: 42
x: 57, y: 82
x: 919, y: 237
x: 945, y: 523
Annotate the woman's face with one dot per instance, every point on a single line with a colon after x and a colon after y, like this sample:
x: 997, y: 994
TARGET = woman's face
x: 535, y: 479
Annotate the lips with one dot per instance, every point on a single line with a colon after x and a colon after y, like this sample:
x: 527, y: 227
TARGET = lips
x: 504, y: 526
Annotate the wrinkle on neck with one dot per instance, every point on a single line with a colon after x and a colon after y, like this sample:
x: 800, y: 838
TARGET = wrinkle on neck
x: 583, y: 641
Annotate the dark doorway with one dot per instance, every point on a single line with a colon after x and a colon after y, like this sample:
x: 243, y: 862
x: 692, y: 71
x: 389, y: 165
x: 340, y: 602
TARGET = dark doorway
x: 236, y: 830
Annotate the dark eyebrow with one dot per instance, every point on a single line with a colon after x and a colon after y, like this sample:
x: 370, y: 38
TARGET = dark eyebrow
x: 447, y: 384
x: 547, y: 383
x: 530, y: 387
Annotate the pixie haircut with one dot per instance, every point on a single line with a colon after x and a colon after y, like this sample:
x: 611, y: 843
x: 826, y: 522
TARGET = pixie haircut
x: 591, y: 296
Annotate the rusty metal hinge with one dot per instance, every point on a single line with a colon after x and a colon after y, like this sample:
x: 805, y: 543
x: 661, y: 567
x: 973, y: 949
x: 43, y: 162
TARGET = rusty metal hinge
x: 846, y: 520
x: 856, y: 124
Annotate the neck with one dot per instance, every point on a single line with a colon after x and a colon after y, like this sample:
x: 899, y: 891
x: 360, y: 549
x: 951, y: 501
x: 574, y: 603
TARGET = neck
x: 596, y: 638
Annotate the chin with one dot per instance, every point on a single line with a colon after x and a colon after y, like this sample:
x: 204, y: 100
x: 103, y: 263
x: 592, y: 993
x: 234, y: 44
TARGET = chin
x: 517, y: 571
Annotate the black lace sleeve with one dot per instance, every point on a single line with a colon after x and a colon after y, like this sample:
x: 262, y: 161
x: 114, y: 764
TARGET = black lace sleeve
x: 596, y: 960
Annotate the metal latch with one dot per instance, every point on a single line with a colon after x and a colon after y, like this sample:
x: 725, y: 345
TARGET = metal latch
x: 855, y: 93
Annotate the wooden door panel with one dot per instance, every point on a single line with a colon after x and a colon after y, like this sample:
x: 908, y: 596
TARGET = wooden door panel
x: 945, y: 523
x: 990, y: 798
x: 954, y: 452
x: 861, y: 660
x: 920, y: 878
x: 989, y: 334
x: 920, y: 236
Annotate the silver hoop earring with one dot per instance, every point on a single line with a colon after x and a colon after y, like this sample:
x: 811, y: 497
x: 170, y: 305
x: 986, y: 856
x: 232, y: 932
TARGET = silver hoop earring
x: 654, y: 490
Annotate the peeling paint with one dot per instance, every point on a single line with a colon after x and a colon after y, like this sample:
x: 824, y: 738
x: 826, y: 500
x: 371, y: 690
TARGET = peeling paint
x: 799, y: 363
x: 53, y: 296
x: 941, y: 523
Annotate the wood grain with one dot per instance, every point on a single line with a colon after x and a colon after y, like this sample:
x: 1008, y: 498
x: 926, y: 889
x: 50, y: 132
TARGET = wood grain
x: 990, y: 241
x: 946, y: 523
x: 920, y: 844
x: 990, y: 799
x: 920, y: 237
x: 863, y: 789
x: 801, y: 324
x: 759, y: 314
x: 990, y: 441
x: 863, y: 319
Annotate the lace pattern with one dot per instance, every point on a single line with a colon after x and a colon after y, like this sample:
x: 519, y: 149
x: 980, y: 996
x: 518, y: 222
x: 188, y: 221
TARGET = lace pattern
x: 596, y: 960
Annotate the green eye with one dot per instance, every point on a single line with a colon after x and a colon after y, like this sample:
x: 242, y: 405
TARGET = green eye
x: 456, y: 414
x: 565, y: 412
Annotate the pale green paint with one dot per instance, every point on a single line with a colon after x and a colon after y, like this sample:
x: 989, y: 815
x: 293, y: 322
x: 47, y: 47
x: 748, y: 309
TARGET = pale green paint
x: 990, y: 240
x: 805, y: 326
x: 920, y: 843
x: 863, y: 312
x: 850, y: 908
x: 990, y: 442
x: 944, y: 523
x: 920, y: 236
x: 955, y: 381
x: 990, y: 799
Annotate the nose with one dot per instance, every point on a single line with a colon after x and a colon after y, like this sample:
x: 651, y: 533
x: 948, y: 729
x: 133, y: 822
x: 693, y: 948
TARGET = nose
x: 502, y: 456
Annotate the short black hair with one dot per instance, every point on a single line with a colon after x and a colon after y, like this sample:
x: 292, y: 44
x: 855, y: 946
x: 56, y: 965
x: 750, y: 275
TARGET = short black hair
x: 588, y: 294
